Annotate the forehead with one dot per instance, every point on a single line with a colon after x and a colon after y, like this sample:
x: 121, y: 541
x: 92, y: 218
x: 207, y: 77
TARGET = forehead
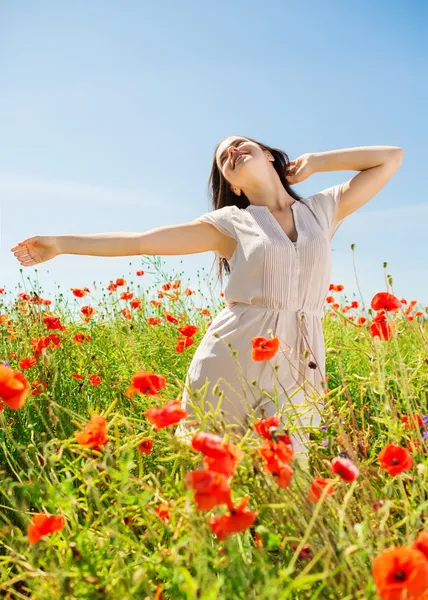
x: 226, y: 143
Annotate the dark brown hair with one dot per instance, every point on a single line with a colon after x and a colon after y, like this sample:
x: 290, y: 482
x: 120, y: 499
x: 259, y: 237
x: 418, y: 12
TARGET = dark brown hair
x: 221, y: 195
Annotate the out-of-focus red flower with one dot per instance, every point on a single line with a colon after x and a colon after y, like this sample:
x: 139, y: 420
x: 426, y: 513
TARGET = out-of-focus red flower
x: 188, y: 330
x: 412, y: 421
x: 395, y: 459
x: 220, y: 456
x: 146, y: 383
x: 14, y: 388
x: 400, y: 572
x: 77, y: 376
x: 94, y: 434
x: 345, y: 468
x: 38, y: 387
x: 238, y: 520
x: 381, y: 328
x: 263, y: 348
x: 183, y: 342
x: 53, y: 322
x: 317, y: 488
x: 169, y: 414
x: 95, y: 380
x: 211, y: 488
x: 276, y: 455
x: 27, y: 363
x: 421, y: 543
x: 145, y: 447
x: 42, y: 524
x: 263, y: 426
x: 162, y: 510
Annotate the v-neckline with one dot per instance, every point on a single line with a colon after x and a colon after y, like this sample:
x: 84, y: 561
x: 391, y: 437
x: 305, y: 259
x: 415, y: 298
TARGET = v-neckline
x: 295, y: 219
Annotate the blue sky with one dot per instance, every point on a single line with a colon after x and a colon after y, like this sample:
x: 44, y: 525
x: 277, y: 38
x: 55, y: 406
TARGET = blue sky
x: 111, y: 113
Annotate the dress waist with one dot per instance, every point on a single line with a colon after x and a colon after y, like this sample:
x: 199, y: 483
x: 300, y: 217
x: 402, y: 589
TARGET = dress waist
x: 303, y: 342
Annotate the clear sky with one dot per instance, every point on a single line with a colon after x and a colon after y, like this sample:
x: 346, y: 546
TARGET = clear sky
x: 111, y: 111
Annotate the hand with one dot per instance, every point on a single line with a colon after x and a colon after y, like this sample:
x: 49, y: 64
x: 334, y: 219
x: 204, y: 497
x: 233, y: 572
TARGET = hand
x: 36, y: 250
x: 299, y: 169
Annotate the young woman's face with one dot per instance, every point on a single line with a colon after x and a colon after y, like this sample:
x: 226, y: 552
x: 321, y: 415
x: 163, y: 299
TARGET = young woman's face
x: 236, y: 169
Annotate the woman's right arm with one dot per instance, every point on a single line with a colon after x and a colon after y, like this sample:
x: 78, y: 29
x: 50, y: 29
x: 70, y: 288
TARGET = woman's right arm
x: 188, y: 238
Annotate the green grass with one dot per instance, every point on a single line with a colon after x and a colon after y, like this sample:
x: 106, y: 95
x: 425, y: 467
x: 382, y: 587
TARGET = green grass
x: 114, y: 545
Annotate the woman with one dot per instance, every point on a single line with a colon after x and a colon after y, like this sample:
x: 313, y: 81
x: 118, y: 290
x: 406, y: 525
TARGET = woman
x: 276, y: 247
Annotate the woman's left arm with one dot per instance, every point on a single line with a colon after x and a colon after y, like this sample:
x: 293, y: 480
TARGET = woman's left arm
x: 376, y: 163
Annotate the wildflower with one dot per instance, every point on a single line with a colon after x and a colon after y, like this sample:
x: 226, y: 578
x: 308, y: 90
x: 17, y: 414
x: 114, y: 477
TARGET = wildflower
x: 27, y: 363
x: 169, y: 414
x: 188, y: 330
x: 395, y: 459
x: 94, y: 433
x: 263, y: 426
x: 42, y: 524
x: 146, y: 383
x: 317, y: 487
x: 14, y: 388
x: 163, y: 512
x: 421, y: 543
x: 276, y: 455
x: 220, y: 456
x: 211, y: 488
x: 412, y: 421
x: 400, y: 572
x: 183, y: 342
x: 385, y: 301
x: 264, y: 349
x: 145, y: 447
x: 238, y: 520
x: 345, y: 468
x: 95, y: 380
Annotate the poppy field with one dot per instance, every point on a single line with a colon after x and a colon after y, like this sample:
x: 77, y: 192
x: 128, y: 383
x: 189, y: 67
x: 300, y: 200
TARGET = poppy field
x: 101, y: 500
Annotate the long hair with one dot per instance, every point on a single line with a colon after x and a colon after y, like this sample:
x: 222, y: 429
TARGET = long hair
x: 221, y: 195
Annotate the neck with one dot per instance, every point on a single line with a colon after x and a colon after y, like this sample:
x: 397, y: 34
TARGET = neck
x: 271, y: 194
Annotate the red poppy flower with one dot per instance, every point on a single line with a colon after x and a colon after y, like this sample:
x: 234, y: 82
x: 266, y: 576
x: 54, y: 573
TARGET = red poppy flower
x: 42, y: 524
x: 27, y: 363
x: 263, y: 348
x: 162, y: 511
x: 95, y: 380
x: 146, y: 383
x: 238, y: 520
x: 284, y: 477
x: 421, y: 543
x: 169, y: 414
x: 276, y: 455
x: 395, y: 459
x: 211, y: 488
x: 400, y: 572
x: 145, y: 447
x: 381, y: 328
x: 184, y: 342
x: 220, y: 456
x: 412, y: 421
x: 345, y: 468
x: 14, y: 388
x: 385, y: 301
x: 188, y: 330
x: 262, y: 427
x: 94, y: 434
x: 317, y: 488
x: 77, y: 376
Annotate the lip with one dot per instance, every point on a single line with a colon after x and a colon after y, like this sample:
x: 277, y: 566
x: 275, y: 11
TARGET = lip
x: 237, y: 156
